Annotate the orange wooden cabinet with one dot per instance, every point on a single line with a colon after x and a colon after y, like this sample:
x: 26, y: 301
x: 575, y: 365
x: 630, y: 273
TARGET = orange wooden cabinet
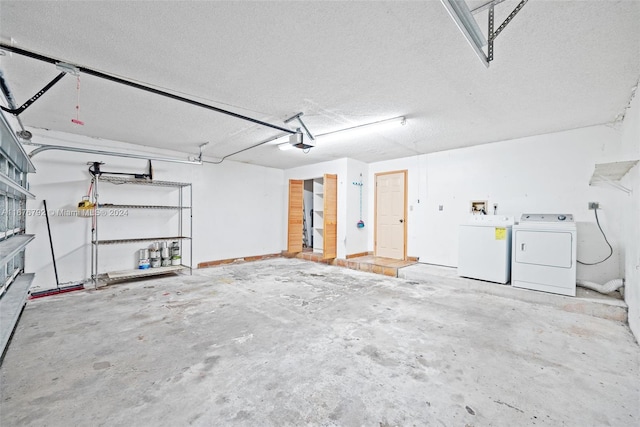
x: 325, y: 215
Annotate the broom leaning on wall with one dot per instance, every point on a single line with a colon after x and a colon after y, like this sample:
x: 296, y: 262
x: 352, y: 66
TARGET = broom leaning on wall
x: 58, y: 289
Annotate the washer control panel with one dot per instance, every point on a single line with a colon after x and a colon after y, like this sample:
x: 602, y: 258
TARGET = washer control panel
x: 546, y: 218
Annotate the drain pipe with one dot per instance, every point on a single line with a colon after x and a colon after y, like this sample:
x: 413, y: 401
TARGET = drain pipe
x: 41, y: 148
x: 610, y: 286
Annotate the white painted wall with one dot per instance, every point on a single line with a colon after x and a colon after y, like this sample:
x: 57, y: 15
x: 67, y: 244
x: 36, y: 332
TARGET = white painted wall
x: 540, y: 174
x: 237, y: 209
x: 630, y: 213
x: 356, y: 238
x: 416, y: 201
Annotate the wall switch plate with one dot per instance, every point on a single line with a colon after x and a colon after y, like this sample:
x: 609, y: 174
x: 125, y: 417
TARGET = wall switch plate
x: 594, y: 205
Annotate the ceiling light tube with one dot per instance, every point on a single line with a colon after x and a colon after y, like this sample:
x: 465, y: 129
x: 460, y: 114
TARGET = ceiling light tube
x: 363, y: 128
x: 402, y: 120
x: 285, y: 146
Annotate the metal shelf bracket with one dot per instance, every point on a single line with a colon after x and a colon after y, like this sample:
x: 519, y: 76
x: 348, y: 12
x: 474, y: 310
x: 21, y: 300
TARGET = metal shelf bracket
x: 611, y: 174
x: 613, y: 184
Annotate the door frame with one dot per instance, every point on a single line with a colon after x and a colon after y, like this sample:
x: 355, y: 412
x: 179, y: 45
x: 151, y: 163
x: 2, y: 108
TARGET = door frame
x: 375, y: 211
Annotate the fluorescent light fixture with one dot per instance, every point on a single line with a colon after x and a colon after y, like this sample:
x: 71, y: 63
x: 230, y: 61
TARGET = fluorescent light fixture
x: 367, y: 127
x: 284, y: 146
x: 281, y: 140
x: 289, y: 141
x: 467, y: 24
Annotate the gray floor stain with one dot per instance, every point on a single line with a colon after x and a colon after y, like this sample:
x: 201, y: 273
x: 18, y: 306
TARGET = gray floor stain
x: 101, y: 365
x: 210, y: 361
x: 242, y: 415
x: 376, y: 355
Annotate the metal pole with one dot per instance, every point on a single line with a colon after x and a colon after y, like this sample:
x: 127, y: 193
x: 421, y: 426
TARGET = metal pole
x: 93, y: 276
x: 94, y: 231
x: 42, y: 148
x: 53, y: 255
x: 180, y: 219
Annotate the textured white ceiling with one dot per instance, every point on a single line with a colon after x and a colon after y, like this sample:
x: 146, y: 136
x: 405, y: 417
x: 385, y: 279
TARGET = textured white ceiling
x: 558, y: 65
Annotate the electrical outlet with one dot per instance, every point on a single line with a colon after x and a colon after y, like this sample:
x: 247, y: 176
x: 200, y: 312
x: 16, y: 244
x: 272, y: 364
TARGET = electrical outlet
x: 594, y: 205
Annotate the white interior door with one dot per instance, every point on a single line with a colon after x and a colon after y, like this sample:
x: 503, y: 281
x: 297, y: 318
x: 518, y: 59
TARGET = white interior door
x: 390, y: 215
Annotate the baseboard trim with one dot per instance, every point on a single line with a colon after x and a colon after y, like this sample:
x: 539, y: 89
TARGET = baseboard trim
x: 234, y: 260
x: 359, y: 254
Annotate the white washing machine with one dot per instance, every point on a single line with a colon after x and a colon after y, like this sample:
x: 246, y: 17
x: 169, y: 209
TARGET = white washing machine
x: 484, y: 248
x: 544, y: 253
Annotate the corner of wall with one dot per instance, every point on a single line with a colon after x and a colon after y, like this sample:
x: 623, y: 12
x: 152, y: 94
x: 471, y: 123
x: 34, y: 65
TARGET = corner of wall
x: 631, y: 214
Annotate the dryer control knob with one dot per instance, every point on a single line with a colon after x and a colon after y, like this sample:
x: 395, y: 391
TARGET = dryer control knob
x: 562, y: 217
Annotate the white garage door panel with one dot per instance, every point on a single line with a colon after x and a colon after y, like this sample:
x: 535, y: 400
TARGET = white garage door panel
x: 550, y: 248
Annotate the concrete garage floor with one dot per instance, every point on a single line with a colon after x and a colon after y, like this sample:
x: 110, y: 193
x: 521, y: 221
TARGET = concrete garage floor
x: 291, y: 342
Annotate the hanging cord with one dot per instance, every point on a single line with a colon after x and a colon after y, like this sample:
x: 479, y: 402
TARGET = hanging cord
x: 77, y: 119
x: 595, y: 212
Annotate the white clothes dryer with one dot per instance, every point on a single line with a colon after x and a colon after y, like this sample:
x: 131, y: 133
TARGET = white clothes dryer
x: 544, y: 253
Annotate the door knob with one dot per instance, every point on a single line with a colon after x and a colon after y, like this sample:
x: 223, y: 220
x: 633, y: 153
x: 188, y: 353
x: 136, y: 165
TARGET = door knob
x: 402, y: 220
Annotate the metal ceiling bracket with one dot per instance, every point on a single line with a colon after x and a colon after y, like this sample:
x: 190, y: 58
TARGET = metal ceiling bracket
x: 487, y: 5
x: 34, y: 98
x: 201, y: 150
x: 463, y: 17
x: 491, y: 35
x: 306, y: 130
x: 68, y: 68
x: 509, y: 18
x: 4, y: 87
x: 494, y: 34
